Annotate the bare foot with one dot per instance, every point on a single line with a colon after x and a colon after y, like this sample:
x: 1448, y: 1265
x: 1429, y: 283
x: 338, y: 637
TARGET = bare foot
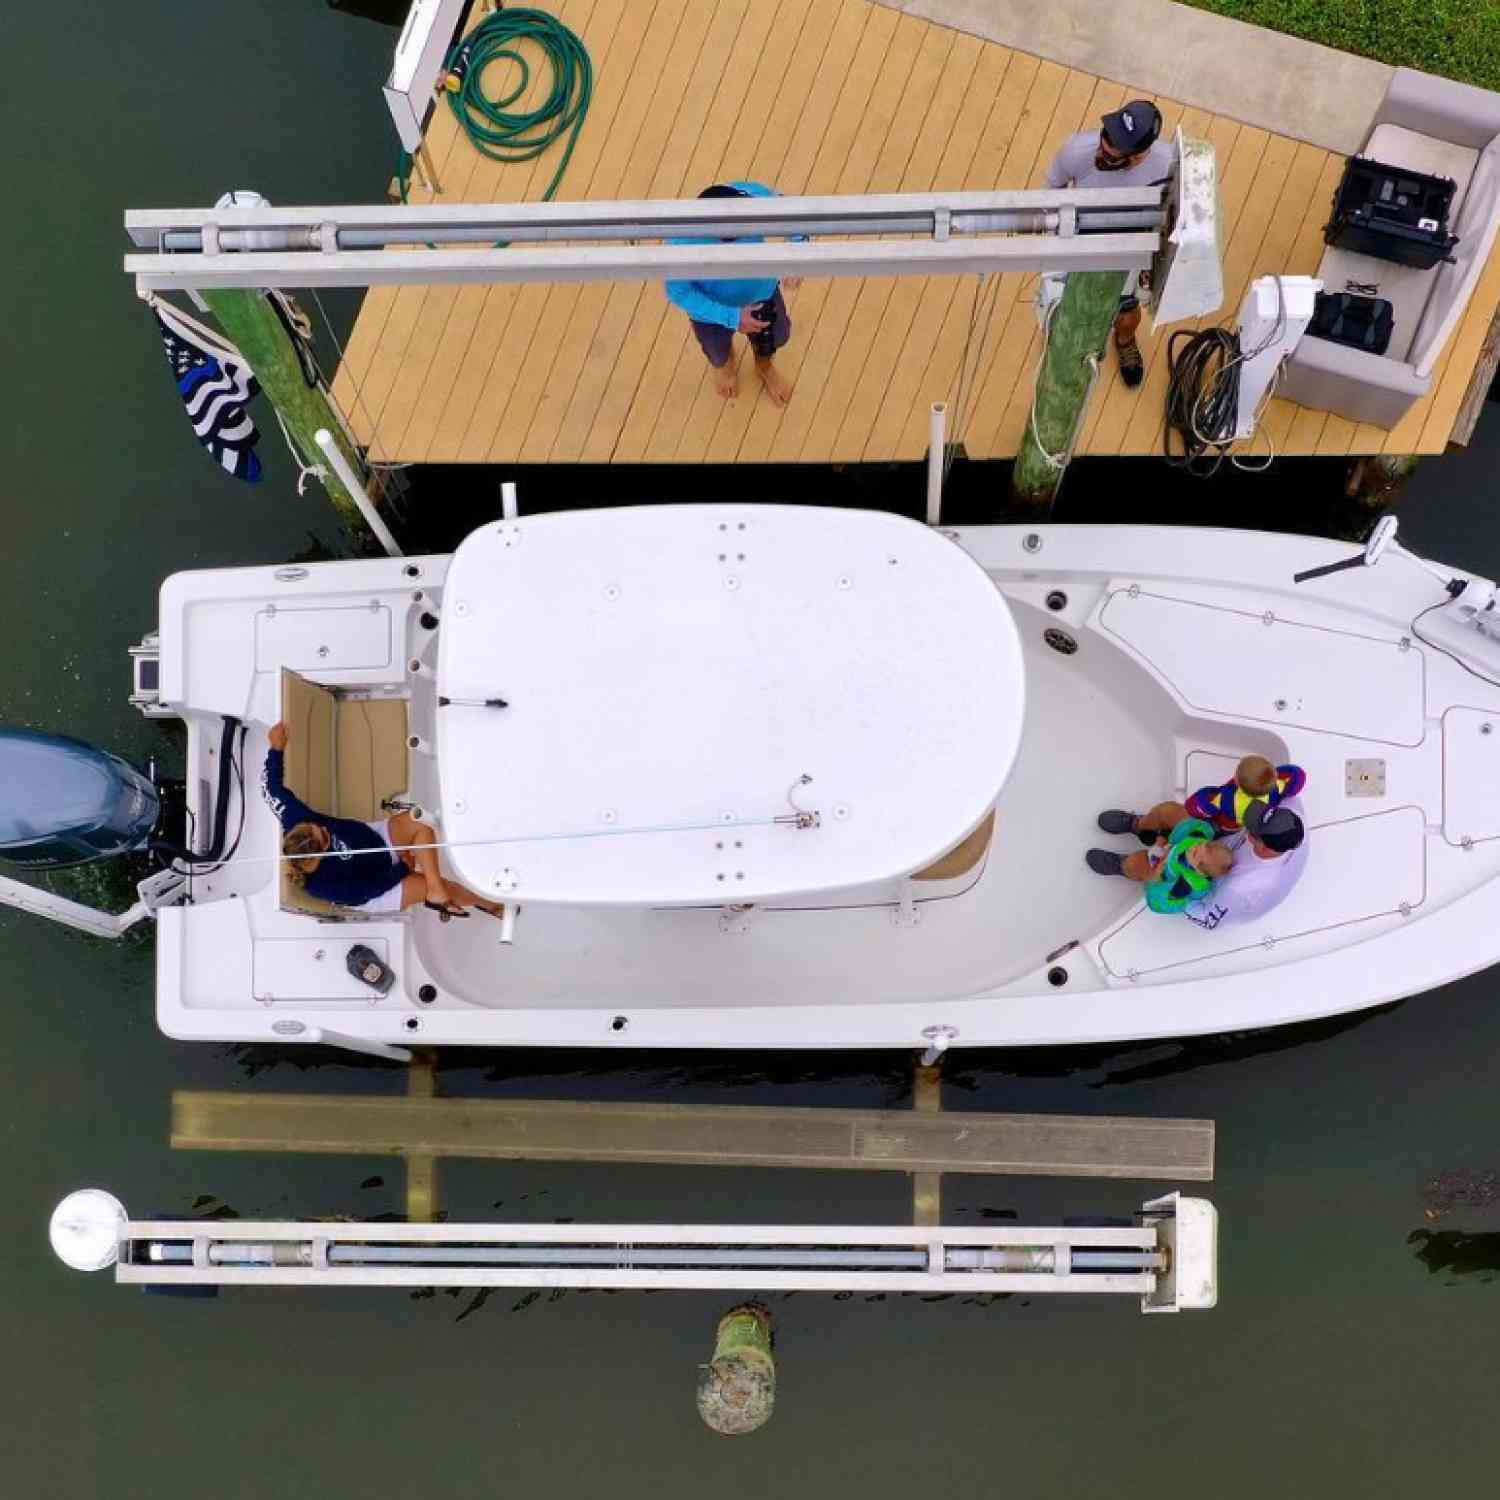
x: 727, y: 379
x: 778, y: 387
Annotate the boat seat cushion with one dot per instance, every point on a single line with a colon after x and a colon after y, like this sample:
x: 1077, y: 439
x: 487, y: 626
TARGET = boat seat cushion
x: 963, y: 856
x: 344, y: 756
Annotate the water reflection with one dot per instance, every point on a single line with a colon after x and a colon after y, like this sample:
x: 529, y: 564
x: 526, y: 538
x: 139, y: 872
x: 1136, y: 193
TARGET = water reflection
x: 1137, y: 1062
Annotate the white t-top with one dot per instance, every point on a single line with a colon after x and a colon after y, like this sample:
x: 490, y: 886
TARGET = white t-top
x: 1254, y: 886
x: 671, y: 673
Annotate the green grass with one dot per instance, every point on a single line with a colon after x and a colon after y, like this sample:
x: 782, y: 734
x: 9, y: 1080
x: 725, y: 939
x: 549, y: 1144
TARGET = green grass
x: 1456, y: 38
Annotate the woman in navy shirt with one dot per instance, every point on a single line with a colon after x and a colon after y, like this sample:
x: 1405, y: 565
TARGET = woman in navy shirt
x: 351, y: 863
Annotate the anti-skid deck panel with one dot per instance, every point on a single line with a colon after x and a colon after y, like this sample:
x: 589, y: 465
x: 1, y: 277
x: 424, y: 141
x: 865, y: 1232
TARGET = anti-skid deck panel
x: 813, y: 96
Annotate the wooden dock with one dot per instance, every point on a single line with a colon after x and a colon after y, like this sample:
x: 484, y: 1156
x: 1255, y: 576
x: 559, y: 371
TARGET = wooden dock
x: 920, y: 1140
x: 814, y: 96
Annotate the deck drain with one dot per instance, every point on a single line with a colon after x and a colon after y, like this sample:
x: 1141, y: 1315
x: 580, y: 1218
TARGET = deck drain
x: 1060, y: 640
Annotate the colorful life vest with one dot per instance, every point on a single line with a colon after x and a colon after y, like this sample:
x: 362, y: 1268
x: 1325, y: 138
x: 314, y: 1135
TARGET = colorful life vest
x: 1226, y: 805
x: 1179, y: 883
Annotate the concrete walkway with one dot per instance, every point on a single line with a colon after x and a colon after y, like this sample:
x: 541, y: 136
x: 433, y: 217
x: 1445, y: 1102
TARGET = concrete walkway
x: 1258, y: 77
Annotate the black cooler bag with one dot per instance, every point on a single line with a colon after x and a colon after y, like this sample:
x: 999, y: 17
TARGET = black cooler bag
x: 1360, y: 322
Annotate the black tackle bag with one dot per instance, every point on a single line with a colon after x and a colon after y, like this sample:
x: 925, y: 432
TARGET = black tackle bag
x: 1347, y: 318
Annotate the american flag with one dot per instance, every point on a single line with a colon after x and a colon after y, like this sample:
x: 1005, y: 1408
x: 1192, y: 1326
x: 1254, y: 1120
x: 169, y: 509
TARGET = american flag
x: 214, y: 385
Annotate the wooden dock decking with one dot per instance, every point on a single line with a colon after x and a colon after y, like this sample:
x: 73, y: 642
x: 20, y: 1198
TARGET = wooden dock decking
x: 814, y: 96
x: 920, y: 1140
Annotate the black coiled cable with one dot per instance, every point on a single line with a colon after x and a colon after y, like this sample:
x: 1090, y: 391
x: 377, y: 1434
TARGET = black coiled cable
x: 1203, y: 397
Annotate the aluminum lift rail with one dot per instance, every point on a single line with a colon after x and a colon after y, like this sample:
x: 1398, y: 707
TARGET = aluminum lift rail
x: 1168, y: 1259
x: 1115, y: 229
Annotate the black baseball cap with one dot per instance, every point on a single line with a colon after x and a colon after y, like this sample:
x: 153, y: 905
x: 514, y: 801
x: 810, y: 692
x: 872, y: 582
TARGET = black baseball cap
x: 1133, y: 127
x: 1278, y: 828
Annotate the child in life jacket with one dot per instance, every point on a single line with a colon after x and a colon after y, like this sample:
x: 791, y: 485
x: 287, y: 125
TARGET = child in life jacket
x: 1184, y: 865
x: 1255, y: 780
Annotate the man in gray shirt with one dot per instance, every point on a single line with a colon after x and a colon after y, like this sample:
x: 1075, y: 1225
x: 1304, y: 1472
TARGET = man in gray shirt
x: 1125, y: 152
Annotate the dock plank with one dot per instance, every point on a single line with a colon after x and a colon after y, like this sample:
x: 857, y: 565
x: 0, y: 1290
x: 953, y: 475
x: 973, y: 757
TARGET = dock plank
x: 702, y: 1135
x: 804, y: 41
x: 911, y: 152
x: 439, y: 339
x: 614, y: 119
x: 819, y: 96
x: 1025, y: 148
x: 1464, y: 351
x: 631, y: 153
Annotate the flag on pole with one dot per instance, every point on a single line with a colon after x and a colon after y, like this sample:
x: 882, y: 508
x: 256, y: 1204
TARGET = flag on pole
x: 215, y: 384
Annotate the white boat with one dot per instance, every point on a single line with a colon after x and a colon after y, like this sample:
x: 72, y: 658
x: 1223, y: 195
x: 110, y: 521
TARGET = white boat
x: 778, y: 776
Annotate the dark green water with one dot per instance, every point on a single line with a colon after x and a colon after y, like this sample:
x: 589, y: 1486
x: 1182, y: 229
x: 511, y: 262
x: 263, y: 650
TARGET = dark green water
x: 1336, y: 1364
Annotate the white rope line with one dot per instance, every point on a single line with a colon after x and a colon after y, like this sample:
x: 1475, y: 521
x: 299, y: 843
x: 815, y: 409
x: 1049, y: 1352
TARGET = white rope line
x: 789, y: 820
x: 355, y: 384
x: 1057, y: 462
x: 317, y: 471
x: 987, y: 325
x: 190, y: 328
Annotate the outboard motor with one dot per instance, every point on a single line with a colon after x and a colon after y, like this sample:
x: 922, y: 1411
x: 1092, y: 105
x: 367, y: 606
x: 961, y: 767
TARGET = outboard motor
x: 62, y: 802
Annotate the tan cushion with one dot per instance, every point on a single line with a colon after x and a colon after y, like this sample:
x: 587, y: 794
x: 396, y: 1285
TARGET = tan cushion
x: 370, y: 756
x: 310, y: 712
x: 344, y: 756
x: 961, y: 858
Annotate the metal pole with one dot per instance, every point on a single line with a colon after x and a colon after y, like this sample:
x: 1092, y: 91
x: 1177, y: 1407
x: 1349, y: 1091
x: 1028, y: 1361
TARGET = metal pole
x: 936, y: 444
x: 508, y: 506
x: 350, y: 480
x: 73, y: 914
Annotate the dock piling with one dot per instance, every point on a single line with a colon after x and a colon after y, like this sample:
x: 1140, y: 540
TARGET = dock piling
x: 737, y: 1389
x: 1077, y: 332
x: 250, y: 322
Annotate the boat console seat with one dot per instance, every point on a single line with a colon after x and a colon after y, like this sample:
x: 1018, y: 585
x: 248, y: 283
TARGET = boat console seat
x: 344, y: 756
x: 963, y: 856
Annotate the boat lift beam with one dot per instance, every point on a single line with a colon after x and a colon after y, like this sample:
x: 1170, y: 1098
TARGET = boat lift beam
x: 1168, y: 1259
x: 161, y: 889
x: 885, y: 234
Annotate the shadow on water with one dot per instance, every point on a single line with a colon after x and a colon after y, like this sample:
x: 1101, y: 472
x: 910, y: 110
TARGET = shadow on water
x: 1456, y: 1254
x: 880, y: 1080
x: 1138, y: 1062
x: 1302, y: 496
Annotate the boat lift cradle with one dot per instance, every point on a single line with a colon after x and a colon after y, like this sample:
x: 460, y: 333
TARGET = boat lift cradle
x: 1169, y: 1259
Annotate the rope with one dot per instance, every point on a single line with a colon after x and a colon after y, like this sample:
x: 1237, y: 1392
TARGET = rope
x: 786, y: 820
x: 492, y: 128
x: 1203, y: 395
x: 964, y: 400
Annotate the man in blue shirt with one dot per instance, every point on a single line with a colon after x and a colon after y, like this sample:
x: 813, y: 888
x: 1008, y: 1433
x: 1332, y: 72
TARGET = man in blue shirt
x: 380, y: 867
x: 720, y: 309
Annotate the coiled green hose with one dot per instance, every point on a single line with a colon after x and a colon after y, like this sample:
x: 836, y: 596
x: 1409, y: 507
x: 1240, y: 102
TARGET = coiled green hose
x: 493, y: 129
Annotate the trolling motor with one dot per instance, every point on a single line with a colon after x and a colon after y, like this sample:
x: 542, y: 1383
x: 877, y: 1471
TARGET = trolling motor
x: 1469, y: 612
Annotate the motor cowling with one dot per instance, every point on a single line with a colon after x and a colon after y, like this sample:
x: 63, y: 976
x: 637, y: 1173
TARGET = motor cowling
x: 63, y: 802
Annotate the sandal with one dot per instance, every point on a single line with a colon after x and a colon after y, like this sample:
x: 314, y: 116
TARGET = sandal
x: 446, y: 910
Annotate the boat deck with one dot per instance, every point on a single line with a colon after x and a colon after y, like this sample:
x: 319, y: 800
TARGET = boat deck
x: 813, y: 96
